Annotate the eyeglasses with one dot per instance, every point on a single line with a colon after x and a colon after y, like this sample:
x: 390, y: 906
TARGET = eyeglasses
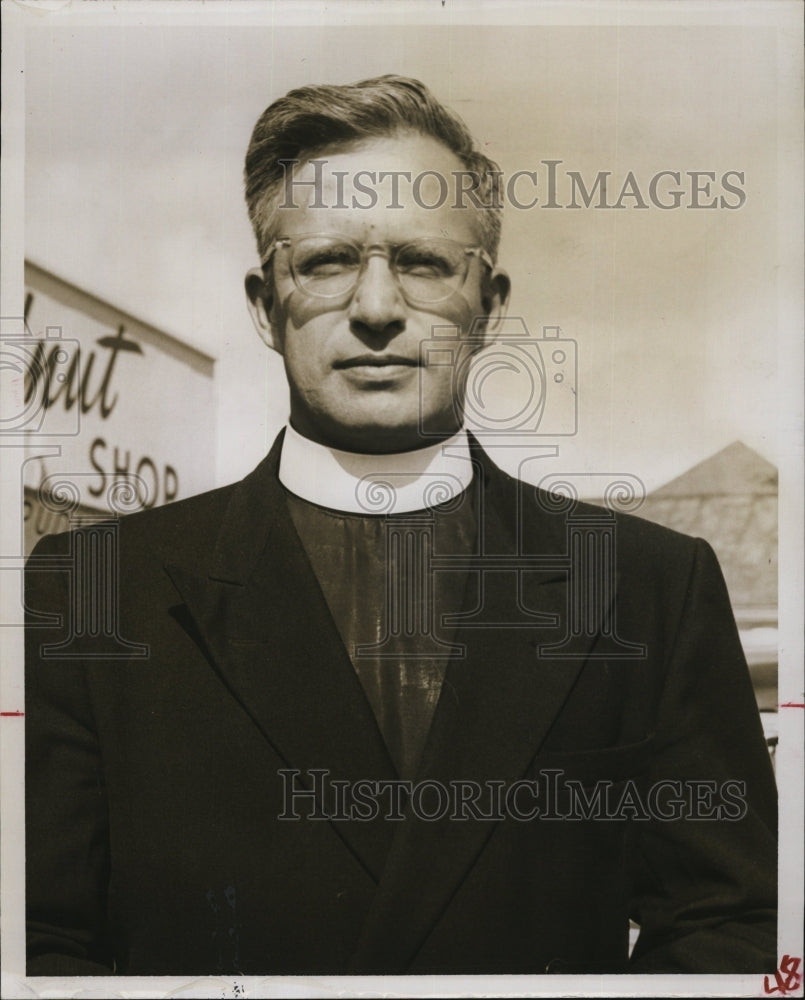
x: 327, y: 266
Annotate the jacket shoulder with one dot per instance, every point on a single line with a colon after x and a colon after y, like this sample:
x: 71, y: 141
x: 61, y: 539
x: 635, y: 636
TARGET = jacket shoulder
x: 643, y: 547
x: 166, y: 529
x: 630, y: 527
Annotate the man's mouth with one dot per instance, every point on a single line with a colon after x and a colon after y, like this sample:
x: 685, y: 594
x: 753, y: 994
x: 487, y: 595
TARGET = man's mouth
x: 378, y: 361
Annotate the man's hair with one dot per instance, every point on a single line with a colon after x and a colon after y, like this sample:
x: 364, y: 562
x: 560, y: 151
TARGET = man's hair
x: 309, y: 120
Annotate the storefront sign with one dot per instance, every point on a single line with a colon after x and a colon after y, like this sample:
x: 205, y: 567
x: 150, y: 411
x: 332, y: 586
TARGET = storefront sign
x: 119, y: 415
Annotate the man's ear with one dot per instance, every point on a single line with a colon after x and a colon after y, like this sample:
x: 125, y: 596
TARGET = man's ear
x: 260, y: 300
x: 495, y: 300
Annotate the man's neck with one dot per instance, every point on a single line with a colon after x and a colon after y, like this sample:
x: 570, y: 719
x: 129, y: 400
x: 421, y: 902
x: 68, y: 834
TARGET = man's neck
x: 375, y: 483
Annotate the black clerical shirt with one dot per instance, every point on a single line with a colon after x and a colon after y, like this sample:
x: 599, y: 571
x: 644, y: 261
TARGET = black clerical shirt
x: 391, y: 607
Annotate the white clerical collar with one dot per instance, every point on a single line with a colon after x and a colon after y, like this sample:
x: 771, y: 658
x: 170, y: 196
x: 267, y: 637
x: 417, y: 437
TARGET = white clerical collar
x: 375, y: 484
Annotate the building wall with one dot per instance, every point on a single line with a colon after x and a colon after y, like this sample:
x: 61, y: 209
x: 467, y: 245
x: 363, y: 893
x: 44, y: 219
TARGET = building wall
x: 119, y: 415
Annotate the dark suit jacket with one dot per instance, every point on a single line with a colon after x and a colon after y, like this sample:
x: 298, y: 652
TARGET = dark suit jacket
x: 153, y: 792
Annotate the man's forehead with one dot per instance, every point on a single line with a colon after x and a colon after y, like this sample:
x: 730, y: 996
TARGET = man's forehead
x: 409, y: 183
x: 389, y: 150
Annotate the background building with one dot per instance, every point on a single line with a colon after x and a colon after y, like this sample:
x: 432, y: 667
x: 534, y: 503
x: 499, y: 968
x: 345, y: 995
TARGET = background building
x: 117, y: 414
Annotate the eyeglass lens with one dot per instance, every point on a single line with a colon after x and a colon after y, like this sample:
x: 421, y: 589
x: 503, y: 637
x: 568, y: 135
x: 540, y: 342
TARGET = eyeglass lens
x: 428, y: 270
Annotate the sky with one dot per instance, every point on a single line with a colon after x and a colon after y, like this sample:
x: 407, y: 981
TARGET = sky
x: 135, y: 137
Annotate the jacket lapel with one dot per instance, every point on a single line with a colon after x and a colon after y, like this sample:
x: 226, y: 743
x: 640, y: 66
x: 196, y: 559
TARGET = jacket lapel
x: 269, y: 634
x: 253, y: 608
x: 497, y: 705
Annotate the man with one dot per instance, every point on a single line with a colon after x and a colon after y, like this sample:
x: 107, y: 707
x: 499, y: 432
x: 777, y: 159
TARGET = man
x: 368, y: 735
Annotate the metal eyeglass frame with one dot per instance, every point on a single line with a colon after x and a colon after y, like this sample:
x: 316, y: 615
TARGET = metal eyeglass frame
x: 392, y: 251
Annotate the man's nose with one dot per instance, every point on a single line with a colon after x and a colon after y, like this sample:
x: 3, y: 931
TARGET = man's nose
x: 377, y: 305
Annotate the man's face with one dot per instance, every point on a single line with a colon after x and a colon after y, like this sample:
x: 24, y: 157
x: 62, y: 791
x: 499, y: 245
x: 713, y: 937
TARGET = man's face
x: 358, y: 381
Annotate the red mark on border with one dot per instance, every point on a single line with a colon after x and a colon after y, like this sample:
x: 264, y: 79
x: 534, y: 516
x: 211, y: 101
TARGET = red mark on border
x: 793, y: 704
x: 790, y: 968
x: 12, y: 713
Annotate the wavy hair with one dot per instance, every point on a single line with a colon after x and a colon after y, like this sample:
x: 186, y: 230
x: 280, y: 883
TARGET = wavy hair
x: 310, y: 119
